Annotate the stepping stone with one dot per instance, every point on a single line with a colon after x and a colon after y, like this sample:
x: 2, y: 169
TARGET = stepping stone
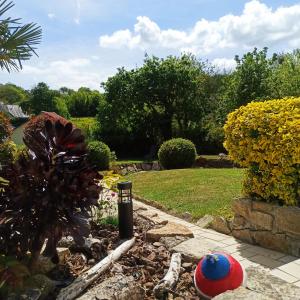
x: 194, y: 249
x: 261, y: 285
x: 170, y: 229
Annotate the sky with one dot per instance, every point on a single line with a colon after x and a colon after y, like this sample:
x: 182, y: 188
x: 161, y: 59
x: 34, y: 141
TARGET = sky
x: 85, y: 41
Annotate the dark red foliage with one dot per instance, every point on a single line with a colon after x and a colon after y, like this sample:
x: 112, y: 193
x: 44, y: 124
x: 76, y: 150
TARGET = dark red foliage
x: 50, y: 192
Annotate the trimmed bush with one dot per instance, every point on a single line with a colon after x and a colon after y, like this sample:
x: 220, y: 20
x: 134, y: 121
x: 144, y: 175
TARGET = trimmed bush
x: 265, y: 138
x: 99, y: 155
x: 177, y: 154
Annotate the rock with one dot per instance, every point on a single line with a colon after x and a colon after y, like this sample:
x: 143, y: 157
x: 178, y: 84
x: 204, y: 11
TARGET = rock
x: 242, y: 207
x: 262, y: 286
x: 156, y: 166
x: 187, y: 216
x: 241, y: 294
x: 271, y: 240
x: 263, y: 207
x: 63, y: 253
x: 170, y: 229
x: 118, y: 287
x: 261, y: 220
x: 240, y: 223
x: 259, y: 280
x: 287, y: 219
x: 29, y: 294
x: 146, y: 167
x: 44, y: 264
x: 220, y: 224
x: 173, y: 241
x: 194, y: 249
x: 205, y: 221
x: 243, y: 234
x: 157, y: 244
x: 66, y: 241
x: 91, y: 261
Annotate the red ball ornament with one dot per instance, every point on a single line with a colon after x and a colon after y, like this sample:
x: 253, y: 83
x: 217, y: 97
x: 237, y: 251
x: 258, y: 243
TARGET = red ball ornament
x: 217, y: 273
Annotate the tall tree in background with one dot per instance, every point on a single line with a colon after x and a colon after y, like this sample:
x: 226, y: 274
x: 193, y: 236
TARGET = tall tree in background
x: 17, y: 42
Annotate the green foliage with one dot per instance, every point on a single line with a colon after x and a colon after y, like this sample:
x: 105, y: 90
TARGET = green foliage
x: 12, y: 94
x: 61, y: 107
x: 12, y: 275
x: 99, y: 155
x: 177, y: 153
x: 8, y: 151
x: 84, y: 102
x: 148, y: 105
x: 17, y: 41
x: 87, y: 126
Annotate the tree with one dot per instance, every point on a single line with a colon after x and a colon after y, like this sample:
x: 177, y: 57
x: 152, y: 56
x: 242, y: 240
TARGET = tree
x: 17, y: 42
x: 44, y: 99
x: 12, y: 94
x: 84, y: 102
x: 150, y: 104
x: 252, y: 77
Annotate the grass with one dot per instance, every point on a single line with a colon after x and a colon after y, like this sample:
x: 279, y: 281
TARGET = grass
x: 197, y: 191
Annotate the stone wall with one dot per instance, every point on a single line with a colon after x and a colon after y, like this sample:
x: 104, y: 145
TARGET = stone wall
x: 268, y: 225
x: 125, y: 169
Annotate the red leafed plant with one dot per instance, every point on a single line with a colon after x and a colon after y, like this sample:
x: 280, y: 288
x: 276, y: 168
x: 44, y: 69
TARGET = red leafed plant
x: 50, y: 192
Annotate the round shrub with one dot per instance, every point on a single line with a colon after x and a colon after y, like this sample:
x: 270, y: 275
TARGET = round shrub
x: 177, y: 153
x: 99, y: 155
x: 264, y: 137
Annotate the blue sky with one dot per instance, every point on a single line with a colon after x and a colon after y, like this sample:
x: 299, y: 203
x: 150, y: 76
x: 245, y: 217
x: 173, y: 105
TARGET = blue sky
x: 85, y: 41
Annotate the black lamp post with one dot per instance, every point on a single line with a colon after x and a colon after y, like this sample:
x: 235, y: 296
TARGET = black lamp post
x: 125, y: 210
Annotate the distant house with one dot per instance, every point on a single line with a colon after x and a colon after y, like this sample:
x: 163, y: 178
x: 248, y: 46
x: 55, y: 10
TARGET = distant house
x: 18, y: 118
x: 13, y: 111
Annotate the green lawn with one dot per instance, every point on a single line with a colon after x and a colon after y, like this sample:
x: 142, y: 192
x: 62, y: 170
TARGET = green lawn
x: 198, y: 191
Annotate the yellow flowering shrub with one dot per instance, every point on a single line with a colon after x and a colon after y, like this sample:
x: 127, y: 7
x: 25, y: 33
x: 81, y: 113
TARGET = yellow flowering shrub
x: 264, y: 137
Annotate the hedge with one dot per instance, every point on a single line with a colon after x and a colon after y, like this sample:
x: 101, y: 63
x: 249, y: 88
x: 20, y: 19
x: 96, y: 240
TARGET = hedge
x: 265, y: 138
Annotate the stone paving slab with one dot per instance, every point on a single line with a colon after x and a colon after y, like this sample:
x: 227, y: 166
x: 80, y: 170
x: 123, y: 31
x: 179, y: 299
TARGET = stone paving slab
x: 285, y: 267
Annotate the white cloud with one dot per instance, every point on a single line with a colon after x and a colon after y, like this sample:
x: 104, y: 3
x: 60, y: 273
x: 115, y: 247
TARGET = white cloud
x: 257, y: 26
x: 224, y: 64
x: 72, y: 73
x: 51, y: 15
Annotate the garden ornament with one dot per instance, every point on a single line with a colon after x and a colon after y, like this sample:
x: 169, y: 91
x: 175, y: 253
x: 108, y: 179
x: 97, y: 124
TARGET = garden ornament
x: 217, y: 273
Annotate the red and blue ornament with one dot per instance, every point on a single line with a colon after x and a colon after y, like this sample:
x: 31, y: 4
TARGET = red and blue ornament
x: 217, y: 273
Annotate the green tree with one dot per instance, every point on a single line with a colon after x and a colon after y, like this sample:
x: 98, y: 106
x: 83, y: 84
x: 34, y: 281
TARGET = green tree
x: 285, y: 79
x: 12, y: 94
x: 251, y: 79
x: 84, y: 102
x: 17, y: 42
x: 164, y: 97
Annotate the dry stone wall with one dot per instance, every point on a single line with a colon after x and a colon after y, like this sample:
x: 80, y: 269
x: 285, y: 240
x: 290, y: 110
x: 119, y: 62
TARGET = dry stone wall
x: 268, y: 225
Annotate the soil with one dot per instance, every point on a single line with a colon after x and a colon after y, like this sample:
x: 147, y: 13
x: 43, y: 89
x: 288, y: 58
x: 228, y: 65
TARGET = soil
x: 146, y: 262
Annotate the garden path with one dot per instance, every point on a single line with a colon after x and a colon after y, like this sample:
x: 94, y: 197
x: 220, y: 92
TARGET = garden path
x: 285, y: 267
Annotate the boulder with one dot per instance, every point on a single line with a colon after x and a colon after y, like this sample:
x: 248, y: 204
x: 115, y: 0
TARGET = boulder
x: 170, y: 229
x: 194, y: 249
x: 205, y: 221
x: 220, y: 224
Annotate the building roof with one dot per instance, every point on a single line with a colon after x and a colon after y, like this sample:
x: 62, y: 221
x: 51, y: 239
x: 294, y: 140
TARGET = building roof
x: 13, y: 111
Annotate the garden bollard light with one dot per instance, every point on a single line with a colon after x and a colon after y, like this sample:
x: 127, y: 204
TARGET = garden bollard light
x: 125, y: 210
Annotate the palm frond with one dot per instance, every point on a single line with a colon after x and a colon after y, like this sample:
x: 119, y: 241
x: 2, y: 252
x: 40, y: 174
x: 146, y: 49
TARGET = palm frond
x: 17, y: 42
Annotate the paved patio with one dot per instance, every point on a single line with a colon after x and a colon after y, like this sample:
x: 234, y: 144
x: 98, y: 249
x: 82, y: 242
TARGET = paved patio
x: 283, y: 266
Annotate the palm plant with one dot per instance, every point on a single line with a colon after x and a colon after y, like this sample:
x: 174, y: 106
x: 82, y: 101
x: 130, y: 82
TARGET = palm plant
x: 17, y: 42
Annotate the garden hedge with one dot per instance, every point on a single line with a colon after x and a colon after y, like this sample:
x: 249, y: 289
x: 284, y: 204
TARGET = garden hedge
x: 99, y: 155
x: 264, y: 137
x: 177, y: 153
